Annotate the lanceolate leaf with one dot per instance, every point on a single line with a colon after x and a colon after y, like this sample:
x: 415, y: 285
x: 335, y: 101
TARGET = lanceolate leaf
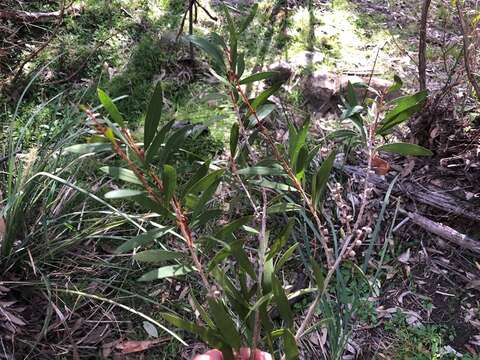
x: 169, y: 179
x: 206, y: 197
x: 157, y: 256
x: 166, y: 272
x: 142, y: 239
x: 317, y: 272
x: 282, y: 239
x: 261, y: 170
x: 246, y: 22
x: 154, y: 113
x: 205, y: 334
x: 148, y: 204
x: 174, y: 142
x: 223, y: 320
x: 234, y: 133
x: 321, y: 178
x: 398, y: 83
x: 211, y: 49
x: 157, y: 142
x: 121, y: 174
x: 226, y: 232
x: 122, y: 193
x: 405, y: 149
x: 258, y: 76
x: 242, y: 259
x: 112, y: 109
x: 282, y: 302
x: 205, y: 182
x: 404, y: 108
x: 233, y: 37
x: 263, y: 97
x: 240, y: 64
x: 290, y: 345
x: 89, y: 148
x: 286, y: 256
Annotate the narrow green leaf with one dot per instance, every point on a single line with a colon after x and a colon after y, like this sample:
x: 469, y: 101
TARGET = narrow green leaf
x: 150, y: 205
x: 342, y: 134
x: 262, y: 112
x: 268, y: 271
x: 404, y: 108
x: 246, y: 22
x: 239, y: 254
x: 282, y: 302
x: 142, y: 239
x: 154, y: 113
x: 224, y: 323
x: 166, y: 272
x: 283, y: 208
x: 211, y: 49
x: 397, y: 85
x: 203, y: 313
x: 405, y: 149
x: 122, y: 194
x: 226, y: 232
x: 258, y: 77
x: 206, y: 181
x: 321, y: 178
x: 261, y: 170
x: 317, y: 273
x: 296, y: 141
x: 263, y: 97
x: 234, y: 134
x: 157, y: 141
x: 205, y: 334
x: 121, y: 174
x: 233, y: 37
x: 272, y: 185
x: 89, y: 148
x: 174, y: 142
x: 282, y: 239
x: 207, y: 195
x: 286, y: 256
x: 169, y: 179
x: 290, y: 345
x: 351, y: 96
x: 111, y: 108
x: 157, y: 256
x: 240, y: 64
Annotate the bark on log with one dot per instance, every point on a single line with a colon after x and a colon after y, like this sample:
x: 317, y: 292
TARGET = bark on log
x: 445, y: 232
x: 427, y: 195
x: 27, y: 16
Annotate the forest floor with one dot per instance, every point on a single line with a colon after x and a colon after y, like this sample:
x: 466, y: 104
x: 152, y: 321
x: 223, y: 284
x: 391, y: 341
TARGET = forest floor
x: 424, y: 305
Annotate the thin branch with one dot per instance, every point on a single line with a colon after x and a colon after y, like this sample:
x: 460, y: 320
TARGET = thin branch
x: 466, y: 50
x: 422, y: 61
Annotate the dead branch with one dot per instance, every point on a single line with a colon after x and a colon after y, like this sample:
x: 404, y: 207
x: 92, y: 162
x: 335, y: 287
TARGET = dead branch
x: 28, y: 16
x: 44, y: 45
x: 466, y: 49
x: 425, y: 194
x: 445, y: 232
x: 422, y: 46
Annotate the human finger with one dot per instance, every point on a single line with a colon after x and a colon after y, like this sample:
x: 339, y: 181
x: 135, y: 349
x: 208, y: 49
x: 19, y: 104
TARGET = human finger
x: 210, y: 355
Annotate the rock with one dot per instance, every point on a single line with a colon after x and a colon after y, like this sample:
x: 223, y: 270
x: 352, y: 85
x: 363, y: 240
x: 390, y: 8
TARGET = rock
x: 322, y: 90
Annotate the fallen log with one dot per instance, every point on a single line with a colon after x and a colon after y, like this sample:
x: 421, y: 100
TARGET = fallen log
x: 426, y: 194
x: 29, y: 16
x: 445, y: 232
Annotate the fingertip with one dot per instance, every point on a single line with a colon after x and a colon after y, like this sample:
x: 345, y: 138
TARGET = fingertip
x: 210, y: 355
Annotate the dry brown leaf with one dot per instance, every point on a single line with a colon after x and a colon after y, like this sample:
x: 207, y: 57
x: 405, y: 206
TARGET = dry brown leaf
x: 380, y: 166
x: 132, y: 346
